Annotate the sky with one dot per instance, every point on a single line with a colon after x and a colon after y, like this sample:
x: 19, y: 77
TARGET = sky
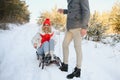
x: 38, y: 6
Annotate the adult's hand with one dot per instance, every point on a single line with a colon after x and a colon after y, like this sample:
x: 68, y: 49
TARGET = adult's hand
x: 61, y: 11
x: 83, y: 32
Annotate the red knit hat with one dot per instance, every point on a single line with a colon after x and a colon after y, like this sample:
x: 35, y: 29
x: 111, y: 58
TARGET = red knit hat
x: 47, y: 21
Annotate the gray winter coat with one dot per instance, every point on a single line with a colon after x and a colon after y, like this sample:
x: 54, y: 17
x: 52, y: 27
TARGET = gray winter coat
x: 78, y: 14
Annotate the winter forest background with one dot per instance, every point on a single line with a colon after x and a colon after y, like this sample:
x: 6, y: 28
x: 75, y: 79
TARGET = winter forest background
x: 101, y: 24
x: 102, y: 39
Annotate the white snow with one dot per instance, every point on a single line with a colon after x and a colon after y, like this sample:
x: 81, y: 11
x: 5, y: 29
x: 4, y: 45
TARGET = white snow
x: 18, y: 59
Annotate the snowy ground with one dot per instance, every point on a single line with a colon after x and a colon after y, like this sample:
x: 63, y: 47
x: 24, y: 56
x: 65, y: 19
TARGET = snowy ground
x: 18, y: 59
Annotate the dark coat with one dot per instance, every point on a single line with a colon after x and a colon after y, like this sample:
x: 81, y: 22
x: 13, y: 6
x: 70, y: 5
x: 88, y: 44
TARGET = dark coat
x: 78, y: 14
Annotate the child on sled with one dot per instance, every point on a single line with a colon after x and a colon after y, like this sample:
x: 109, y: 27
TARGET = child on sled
x: 44, y: 41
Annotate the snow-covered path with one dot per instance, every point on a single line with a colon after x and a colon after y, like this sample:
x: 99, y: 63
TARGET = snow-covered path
x: 18, y: 59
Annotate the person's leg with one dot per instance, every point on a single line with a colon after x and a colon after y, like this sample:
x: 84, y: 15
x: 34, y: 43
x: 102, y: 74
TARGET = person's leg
x: 46, y: 47
x: 66, y: 42
x: 51, y: 47
x: 40, y: 53
x: 67, y: 39
x: 77, y: 44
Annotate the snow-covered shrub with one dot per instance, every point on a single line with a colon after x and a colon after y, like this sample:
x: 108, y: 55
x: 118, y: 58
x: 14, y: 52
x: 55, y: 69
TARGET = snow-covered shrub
x: 111, y: 39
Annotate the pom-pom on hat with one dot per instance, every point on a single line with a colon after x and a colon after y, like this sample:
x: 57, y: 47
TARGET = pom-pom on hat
x: 46, y: 22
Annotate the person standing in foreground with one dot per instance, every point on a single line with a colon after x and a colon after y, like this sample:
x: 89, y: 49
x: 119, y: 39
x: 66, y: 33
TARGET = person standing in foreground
x: 78, y: 14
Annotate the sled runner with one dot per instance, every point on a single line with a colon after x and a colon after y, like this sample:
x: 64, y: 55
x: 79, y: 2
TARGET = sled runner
x: 46, y: 60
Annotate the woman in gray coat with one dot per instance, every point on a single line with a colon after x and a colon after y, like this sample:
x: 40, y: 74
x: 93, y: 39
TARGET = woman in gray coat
x: 78, y: 14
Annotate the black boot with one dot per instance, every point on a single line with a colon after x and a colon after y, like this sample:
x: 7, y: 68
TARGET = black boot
x: 64, y: 67
x: 76, y: 73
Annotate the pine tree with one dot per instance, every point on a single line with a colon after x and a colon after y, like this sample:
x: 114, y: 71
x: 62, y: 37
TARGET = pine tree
x: 57, y: 20
x: 13, y: 11
x: 115, y: 17
x: 96, y: 28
